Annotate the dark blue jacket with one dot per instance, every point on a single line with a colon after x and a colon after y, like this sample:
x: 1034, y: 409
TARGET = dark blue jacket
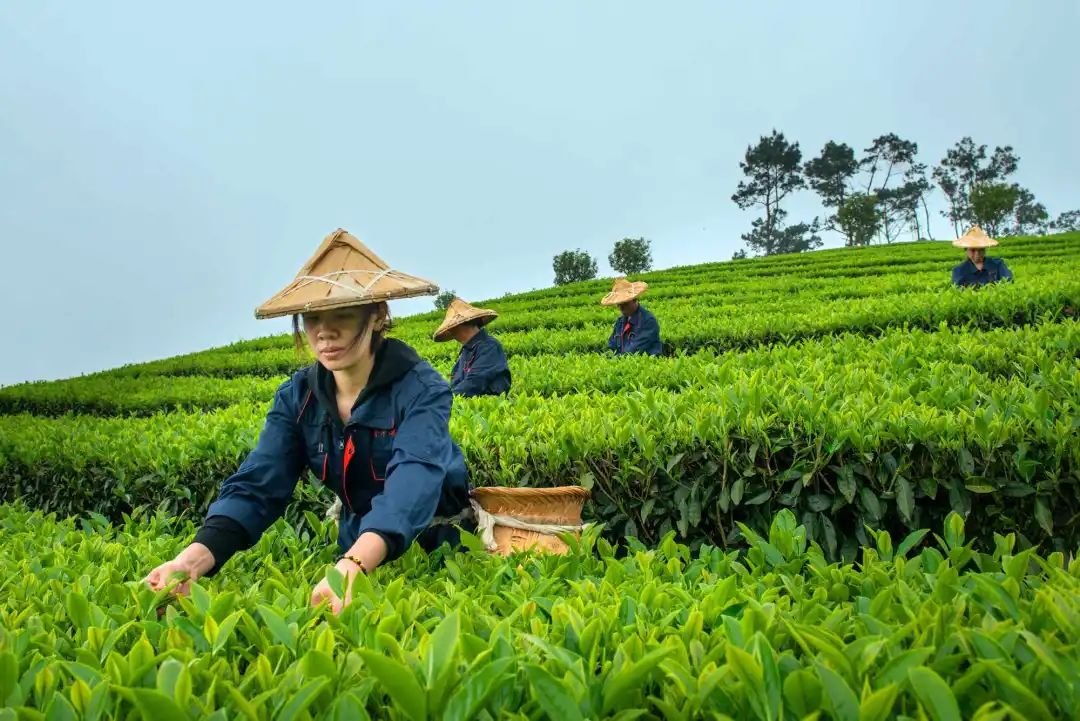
x: 394, y: 465
x: 640, y: 333
x: 967, y: 275
x: 481, y: 368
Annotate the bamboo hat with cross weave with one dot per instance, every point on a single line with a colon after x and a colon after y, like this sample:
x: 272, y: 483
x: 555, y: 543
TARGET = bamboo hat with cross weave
x: 461, y: 312
x: 975, y: 238
x: 343, y: 272
x: 623, y: 291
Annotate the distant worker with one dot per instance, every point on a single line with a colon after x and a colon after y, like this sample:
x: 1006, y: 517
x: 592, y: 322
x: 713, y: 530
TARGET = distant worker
x: 636, y: 330
x: 481, y: 368
x: 978, y: 270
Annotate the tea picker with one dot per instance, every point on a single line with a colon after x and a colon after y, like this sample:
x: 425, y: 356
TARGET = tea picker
x: 369, y: 417
x: 481, y: 368
x: 978, y: 270
x: 636, y: 329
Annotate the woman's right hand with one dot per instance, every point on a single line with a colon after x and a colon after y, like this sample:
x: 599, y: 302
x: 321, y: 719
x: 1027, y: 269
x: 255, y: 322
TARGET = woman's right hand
x: 190, y: 565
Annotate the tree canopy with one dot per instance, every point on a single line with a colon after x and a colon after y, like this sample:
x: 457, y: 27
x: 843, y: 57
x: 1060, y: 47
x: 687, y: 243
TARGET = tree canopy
x: 773, y: 171
x: 573, y: 265
x: 631, y: 255
x: 444, y: 299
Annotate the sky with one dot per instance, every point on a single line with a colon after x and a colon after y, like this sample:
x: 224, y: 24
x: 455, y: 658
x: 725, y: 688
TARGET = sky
x: 165, y: 168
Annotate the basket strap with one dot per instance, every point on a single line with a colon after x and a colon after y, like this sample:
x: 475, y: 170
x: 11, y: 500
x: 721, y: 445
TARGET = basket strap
x: 485, y: 522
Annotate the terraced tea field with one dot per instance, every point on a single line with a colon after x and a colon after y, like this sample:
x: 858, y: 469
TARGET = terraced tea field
x: 848, y: 489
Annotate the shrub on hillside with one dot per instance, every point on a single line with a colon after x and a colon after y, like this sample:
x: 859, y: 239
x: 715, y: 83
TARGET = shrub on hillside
x: 573, y: 265
x: 444, y: 299
x: 1068, y: 222
x: 992, y: 204
x: 858, y: 219
x: 631, y: 255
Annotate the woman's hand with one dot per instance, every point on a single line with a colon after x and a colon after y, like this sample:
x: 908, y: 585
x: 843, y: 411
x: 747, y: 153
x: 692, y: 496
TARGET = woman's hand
x: 322, y: 591
x: 369, y: 548
x: 190, y: 565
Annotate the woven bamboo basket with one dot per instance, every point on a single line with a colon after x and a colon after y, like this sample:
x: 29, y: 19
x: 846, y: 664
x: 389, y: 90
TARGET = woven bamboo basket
x: 559, y: 506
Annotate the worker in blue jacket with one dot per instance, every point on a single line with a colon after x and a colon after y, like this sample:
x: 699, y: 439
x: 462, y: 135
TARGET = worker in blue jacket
x: 978, y: 270
x: 636, y: 330
x: 369, y: 418
x: 481, y: 368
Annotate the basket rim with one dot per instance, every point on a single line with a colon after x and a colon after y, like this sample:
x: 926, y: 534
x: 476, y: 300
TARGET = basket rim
x: 557, y: 492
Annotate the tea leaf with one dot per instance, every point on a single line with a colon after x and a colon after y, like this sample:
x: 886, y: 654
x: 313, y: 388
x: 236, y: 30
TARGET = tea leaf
x: 400, y: 683
x: 620, y: 683
x: 551, y: 695
x: 155, y: 706
x: 802, y: 692
x: 336, y: 580
x: 442, y: 649
x: 910, y: 541
x: 60, y: 709
x: 934, y: 694
x: 316, y: 663
x: 842, y: 700
x: 9, y: 674
x: 347, y: 708
x: 302, y: 699
x: 277, y: 625
x: 78, y: 609
x: 475, y: 690
x: 878, y: 705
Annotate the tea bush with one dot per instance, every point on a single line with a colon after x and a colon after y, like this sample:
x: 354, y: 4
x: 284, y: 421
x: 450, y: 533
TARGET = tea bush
x: 926, y: 627
x: 865, y: 392
x: 748, y: 491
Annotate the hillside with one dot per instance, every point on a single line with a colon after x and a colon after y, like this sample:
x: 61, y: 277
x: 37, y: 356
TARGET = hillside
x: 853, y: 381
x: 765, y: 490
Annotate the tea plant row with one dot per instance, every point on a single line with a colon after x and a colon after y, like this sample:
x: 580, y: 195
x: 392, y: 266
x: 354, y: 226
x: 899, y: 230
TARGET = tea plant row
x: 1024, y: 352
x: 1054, y: 297
x: 809, y: 279
x: 840, y: 262
x: 862, y: 432
x: 924, y: 626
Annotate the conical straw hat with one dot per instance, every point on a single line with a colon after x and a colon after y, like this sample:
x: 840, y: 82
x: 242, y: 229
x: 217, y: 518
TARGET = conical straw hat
x: 343, y: 272
x: 623, y: 291
x: 461, y: 312
x: 975, y: 238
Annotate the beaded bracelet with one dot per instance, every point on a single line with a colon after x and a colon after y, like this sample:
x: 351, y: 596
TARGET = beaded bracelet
x: 354, y: 559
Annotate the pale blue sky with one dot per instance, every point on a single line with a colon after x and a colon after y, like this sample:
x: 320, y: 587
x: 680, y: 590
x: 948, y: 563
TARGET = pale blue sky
x: 165, y: 168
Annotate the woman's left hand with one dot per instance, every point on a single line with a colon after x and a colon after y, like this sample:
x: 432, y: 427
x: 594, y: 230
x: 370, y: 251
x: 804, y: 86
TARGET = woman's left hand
x: 322, y: 591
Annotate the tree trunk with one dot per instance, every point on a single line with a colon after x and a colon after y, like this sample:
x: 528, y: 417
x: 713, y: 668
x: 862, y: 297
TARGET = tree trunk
x: 926, y: 211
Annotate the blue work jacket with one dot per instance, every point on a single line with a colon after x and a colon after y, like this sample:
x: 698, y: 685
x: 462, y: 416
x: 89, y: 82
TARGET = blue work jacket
x: 638, y: 333
x: 393, y: 465
x: 966, y: 275
x: 481, y: 368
